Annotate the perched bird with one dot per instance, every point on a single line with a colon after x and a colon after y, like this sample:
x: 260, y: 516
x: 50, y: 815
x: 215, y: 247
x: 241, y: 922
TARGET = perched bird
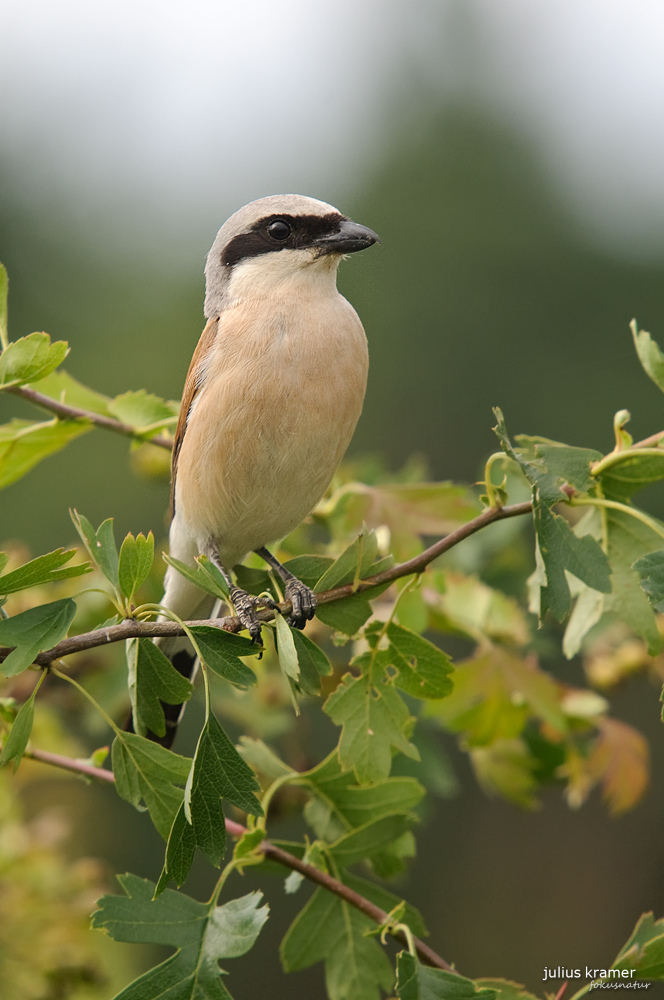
x: 273, y: 394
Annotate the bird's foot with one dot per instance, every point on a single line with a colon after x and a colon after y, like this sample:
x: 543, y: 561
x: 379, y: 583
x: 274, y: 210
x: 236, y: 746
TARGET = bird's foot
x: 245, y: 608
x: 303, y: 601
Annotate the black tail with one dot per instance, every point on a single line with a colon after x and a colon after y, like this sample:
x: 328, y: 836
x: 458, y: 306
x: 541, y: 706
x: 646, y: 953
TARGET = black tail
x: 184, y: 662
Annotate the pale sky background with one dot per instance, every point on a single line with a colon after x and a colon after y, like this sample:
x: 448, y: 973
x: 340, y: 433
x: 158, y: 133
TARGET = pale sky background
x: 172, y: 113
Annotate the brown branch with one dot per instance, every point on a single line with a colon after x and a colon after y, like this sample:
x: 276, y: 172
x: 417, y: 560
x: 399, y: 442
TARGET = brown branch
x: 74, y: 413
x: 134, y: 629
x: 426, y: 954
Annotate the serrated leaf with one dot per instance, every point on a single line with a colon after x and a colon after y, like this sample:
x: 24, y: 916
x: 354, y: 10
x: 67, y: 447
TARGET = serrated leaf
x: 197, y: 576
x: 313, y: 663
x: 142, y: 409
x: 420, y: 982
x: 17, y: 741
x: 644, y: 951
x: 563, y: 551
x: 329, y: 929
x: 650, y: 356
x: 100, y: 544
x: 651, y: 573
x: 219, y: 772
x: 135, y: 562
x: 147, y: 772
x: 374, y: 719
x: 424, y: 669
x: 33, y: 631
x: 286, y: 651
x: 221, y: 652
x: 628, y: 541
x: 24, y: 444
x: 202, y: 933
x: 551, y: 464
x: 31, y: 358
x: 43, y: 569
x: 152, y: 680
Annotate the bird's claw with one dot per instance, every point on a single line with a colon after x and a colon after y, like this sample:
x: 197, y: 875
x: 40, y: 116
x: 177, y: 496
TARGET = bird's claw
x: 303, y: 602
x: 245, y: 608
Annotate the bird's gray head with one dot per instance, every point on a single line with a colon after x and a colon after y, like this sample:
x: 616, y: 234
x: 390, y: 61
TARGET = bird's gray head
x: 282, y: 233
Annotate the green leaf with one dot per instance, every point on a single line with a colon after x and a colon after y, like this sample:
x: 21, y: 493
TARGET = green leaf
x: 424, y: 669
x: 197, y: 576
x: 31, y: 358
x: 220, y: 651
x: 286, y: 650
x: 23, y: 444
x: 142, y: 409
x: 262, y: 759
x: 650, y: 356
x: 33, y: 631
x: 374, y: 719
x: 17, y: 741
x: 628, y: 541
x: 100, y: 544
x: 4, y: 289
x: 651, y: 572
x: 66, y: 389
x: 551, y: 464
x: 348, y: 806
x: 43, y: 569
x: 348, y: 614
x: 329, y: 929
x: 359, y: 555
x: 313, y: 662
x: 202, y: 933
x: 420, y: 982
x: 309, y: 568
x: 370, y: 839
x: 563, y: 551
x: 219, y: 772
x: 152, y: 680
x: 644, y: 952
x: 135, y: 562
x: 147, y: 772
x: 630, y: 473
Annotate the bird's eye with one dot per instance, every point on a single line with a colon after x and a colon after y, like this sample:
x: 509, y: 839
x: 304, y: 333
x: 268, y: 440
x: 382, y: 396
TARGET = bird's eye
x: 279, y: 230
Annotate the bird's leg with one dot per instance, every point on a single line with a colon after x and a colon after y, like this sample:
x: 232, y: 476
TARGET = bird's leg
x: 302, y: 598
x: 245, y: 604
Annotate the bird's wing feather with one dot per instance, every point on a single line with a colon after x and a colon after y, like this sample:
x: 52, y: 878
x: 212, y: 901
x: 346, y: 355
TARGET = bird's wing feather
x: 192, y: 386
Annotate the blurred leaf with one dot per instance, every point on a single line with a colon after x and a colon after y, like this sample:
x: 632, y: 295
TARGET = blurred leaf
x: 478, y: 610
x: 262, y: 759
x: 23, y: 444
x: 147, y: 772
x: 507, y: 767
x: 33, y: 631
x: 31, y: 358
x: 644, y: 952
x: 628, y: 541
x: 43, y: 569
x: 587, y: 612
x: 650, y: 356
x: 100, y: 544
x: 286, y: 650
x: 135, y: 562
x: 65, y: 388
x: 17, y: 741
x: 142, y: 409
x: 329, y: 929
x: 505, y: 989
x: 651, y: 572
x: 420, y: 982
x: 197, y: 576
x: 152, y: 680
x: 221, y: 652
x: 619, y: 761
x: 374, y: 719
x: 4, y: 288
x: 202, y: 933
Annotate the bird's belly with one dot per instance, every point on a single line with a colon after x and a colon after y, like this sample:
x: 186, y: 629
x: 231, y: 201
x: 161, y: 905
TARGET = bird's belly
x: 265, y: 438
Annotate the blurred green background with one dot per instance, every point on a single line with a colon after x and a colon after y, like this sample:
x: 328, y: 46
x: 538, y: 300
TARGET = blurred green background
x: 517, y: 244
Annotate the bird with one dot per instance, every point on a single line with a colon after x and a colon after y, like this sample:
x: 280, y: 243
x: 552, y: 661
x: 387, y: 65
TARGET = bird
x: 274, y: 391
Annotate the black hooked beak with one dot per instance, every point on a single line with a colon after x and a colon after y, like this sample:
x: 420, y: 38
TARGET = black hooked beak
x: 349, y: 238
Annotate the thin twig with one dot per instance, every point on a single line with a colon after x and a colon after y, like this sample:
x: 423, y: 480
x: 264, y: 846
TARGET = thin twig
x: 270, y: 850
x: 134, y: 629
x: 67, y: 412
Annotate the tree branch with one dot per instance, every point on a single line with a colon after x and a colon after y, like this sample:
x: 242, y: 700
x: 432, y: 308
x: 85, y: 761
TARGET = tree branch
x: 74, y: 413
x: 131, y: 629
x: 270, y: 850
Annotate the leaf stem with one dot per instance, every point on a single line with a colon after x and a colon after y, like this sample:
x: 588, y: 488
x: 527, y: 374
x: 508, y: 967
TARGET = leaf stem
x: 86, y: 694
x: 491, y: 489
x: 625, y: 508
